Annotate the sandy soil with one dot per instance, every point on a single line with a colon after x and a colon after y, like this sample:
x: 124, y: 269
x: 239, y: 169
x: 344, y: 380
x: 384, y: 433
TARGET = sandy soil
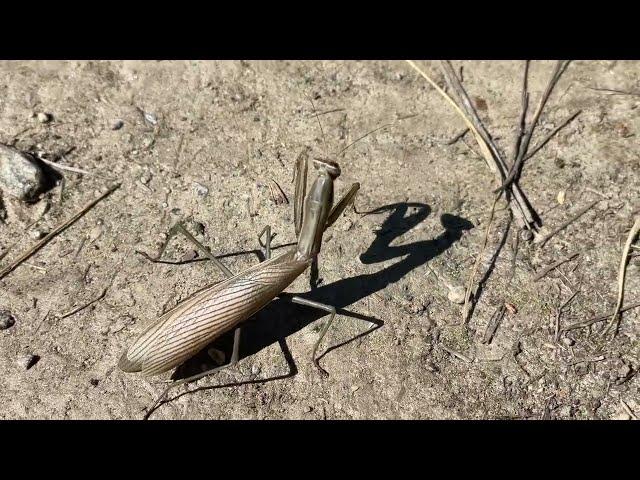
x: 220, y: 132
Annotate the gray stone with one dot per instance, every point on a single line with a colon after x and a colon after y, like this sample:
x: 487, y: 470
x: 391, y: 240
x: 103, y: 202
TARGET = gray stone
x: 201, y: 190
x: 526, y: 235
x: 20, y: 175
x: 6, y: 319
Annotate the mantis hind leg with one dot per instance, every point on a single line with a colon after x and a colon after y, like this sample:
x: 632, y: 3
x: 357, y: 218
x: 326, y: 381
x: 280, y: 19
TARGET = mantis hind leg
x: 332, y: 315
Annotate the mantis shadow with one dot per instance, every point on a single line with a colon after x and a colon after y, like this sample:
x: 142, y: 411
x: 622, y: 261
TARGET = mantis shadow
x: 281, y: 318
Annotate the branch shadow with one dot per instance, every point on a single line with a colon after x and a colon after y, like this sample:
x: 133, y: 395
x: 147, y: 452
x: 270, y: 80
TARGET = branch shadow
x: 281, y: 318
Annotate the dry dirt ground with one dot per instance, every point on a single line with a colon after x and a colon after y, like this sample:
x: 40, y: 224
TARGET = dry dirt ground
x: 216, y: 135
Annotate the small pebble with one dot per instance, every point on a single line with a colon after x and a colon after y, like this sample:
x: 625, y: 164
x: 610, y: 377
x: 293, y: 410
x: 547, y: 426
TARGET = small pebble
x: 199, y: 228
x: 28, y: 361
x: 511, y: 308
x: 417, y: 307
x: 564, y: 411
x: 346, y: 226
x: 526, y: 235
x: 44, y: 117
x: 255, y: 370
x: 151, y: 118
x: 117, y: 125
x: 145, y: 178
x: 568, y: 341
x: 37, y: 234
x: 430, y: 366
x: 456, y: 294
x: 95, y: 233
x: 624, y: 371
x: 6, y: 319
x: 308, y: 409
x: 189, y: 256
x: 201, y: 190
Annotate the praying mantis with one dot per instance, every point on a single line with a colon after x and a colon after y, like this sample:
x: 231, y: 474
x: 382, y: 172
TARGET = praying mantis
x: 186, y: 329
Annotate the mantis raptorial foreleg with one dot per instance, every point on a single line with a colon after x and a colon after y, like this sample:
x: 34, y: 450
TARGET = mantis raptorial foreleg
x: 337, y: 210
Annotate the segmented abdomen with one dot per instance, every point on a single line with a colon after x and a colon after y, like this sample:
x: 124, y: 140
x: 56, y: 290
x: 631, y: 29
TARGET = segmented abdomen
x: 189, y: 327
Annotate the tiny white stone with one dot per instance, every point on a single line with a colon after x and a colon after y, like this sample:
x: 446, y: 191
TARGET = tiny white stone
x: 456, y: 294
x: 43, y: 117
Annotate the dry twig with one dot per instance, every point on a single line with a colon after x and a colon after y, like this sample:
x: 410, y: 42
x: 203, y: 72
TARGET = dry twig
x: 599, y: 318
x: 82, y: 307
x: 60, y: 228
x: 543, y: 240
x: 546, y: 270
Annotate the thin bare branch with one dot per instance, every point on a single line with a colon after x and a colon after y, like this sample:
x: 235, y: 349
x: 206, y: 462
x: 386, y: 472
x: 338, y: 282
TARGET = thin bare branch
x: 581, y: 212
x: 546, y: 270
x: 25, y: 256
x: 622, y: 272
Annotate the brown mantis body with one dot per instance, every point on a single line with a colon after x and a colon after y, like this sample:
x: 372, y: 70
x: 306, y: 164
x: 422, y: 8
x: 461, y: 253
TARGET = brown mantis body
x: 189, y: 327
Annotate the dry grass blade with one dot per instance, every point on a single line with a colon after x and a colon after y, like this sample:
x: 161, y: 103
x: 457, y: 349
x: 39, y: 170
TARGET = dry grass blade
x: 560, y: 311
x: 64, y: 167
x: 60, y: 228
x: 456, y: 354
x: 486, y: 153
x: 628, y: 410
x: 622, y: 272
